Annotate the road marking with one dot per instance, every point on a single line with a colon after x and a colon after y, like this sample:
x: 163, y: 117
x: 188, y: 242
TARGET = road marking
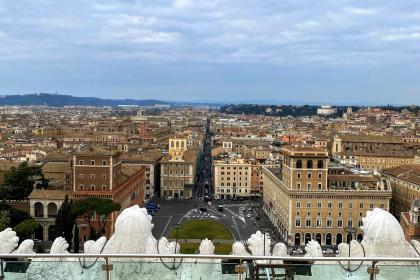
x: 236, y: 227
x: 167, y: 223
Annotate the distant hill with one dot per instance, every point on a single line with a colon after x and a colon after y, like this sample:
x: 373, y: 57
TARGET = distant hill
x: 59, y: 100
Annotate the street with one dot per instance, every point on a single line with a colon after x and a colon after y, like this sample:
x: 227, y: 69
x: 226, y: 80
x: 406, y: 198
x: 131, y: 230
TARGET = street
x: 233, y: 217
x: 204, y: 183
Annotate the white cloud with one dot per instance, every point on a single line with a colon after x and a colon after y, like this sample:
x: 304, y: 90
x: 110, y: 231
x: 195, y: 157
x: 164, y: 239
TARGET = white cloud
x: 269, y: 32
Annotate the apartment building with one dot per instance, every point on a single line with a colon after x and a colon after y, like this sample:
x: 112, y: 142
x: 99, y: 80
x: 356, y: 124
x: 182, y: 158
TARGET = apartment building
x: 178, y: 174
x: 232, y: 178
x: 304, y: 203
x: 98, y: 173
x: 405, y: 182
x: 371, y: 152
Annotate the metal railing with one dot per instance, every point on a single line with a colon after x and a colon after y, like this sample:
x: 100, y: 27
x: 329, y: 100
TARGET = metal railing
x: 246, y: 267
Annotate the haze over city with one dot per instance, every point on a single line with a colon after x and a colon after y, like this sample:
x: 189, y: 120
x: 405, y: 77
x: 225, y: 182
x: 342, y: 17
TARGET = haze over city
x: 348, y: 52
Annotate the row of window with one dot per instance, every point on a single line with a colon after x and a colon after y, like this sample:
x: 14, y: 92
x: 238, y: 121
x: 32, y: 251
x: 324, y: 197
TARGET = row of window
x: 92, y: 162
x: 233, y: 184
x: 340, y: 205
x: 92, y: 176
x: 234, y: 168
x: 234, y: 191
x: 329, y: 223
x: 92, y: 187
x: 234, y: 173
x: 309, y: 175
x: 310, y: 164
x: 308, y: 186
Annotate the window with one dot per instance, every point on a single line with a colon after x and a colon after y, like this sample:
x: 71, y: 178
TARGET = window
x: 92, y: 162
x: 81, y: 162
x: 309, y: 164
x: 297, y: 204
x: 340, y: 223
x: 81, y: 176
x: 309, y: 186
x: 382, y: 205
x: 104, y: 176
x: 104, y: 162
x: 318, y: 222
x: 350, y: 205
x: 309, y: 175
x: 319, y: 175
x: 308, y: 223
x: 360, y: 223
x: 329, y: 204
x: 92, y: 187
x: 299, y: 175
x: 361, y: 205
x: 350, y: 223
x: 329, y: 222
x: 319, y: 204
x: 298, y: 163
x: 320, y: 164
x: 103, y: 187
x: 297, y: 222
x: 298, y: 186
x: 308, y: 204
x: 81, y: 186
x: 371, y: 206
x: 319, y: 186
x: 340, y: 204
x: 92, y: 176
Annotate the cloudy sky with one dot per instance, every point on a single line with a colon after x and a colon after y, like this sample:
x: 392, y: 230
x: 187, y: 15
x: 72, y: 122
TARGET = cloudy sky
x: 335, y: 51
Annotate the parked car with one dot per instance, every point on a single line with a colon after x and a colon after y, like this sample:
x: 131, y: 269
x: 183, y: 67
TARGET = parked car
x: 220, y: 208
x: 203, y: 209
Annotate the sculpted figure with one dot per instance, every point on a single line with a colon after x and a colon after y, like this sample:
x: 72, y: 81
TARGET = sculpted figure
x: 384, y: 237
x: 8, y: 241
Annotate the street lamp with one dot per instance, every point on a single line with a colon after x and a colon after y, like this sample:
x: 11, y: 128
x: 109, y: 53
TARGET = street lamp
x: 177, y: 227
x: 264, y: 231
x: 349, y: 230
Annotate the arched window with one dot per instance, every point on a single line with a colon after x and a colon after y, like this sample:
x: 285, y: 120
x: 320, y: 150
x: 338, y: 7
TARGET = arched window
x: 328, y: 239
x: 308, y: 238
x: 360, y: 237
x: 320, y: 164
x: 339, y: 239
x: 318, y: 238
x: 39, y: 209
x: 309, y: 164
x: 298, y: 163
x: 297, y: 239
x: 52, y: 209
x: 349, y: 238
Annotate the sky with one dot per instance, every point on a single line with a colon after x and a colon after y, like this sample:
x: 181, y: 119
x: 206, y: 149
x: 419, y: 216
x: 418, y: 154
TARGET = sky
x: 264, y: 51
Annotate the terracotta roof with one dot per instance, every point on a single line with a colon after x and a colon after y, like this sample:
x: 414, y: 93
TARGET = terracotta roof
x: 48, y: 194
x: 406, y: 172
x: 371, y: 138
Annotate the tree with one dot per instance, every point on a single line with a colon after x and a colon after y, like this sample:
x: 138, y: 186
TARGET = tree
x: 88, y: 207
x: 19, y: 181
x: 4, y: 219
x: 16, y: 216
x: 26, y: 228
x: 64, y: 221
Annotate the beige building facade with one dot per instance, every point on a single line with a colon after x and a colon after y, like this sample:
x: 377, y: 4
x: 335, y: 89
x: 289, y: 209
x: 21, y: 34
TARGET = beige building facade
x: 303, y: 205
x: 232, y: 178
